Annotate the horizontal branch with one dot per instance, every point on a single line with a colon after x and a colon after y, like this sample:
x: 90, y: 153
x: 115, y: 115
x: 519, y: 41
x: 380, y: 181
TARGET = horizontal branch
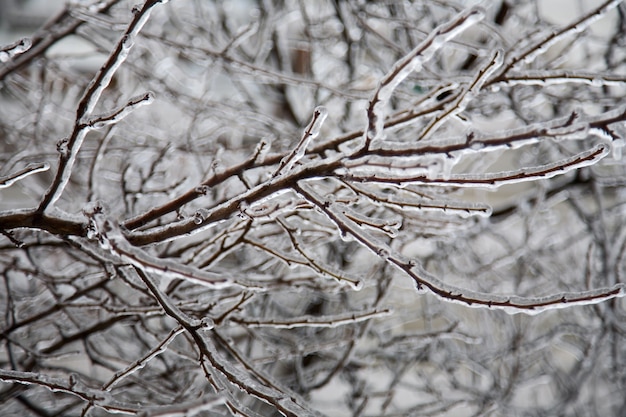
x: 59, y: 28
x: 100, y: 399
x: 30, y: 169
x: 110, y: 238
x: 50, y: 222
x: 425, y: 281
x: 552, y: 77
x: 314, y: 321
x: 492, y: 180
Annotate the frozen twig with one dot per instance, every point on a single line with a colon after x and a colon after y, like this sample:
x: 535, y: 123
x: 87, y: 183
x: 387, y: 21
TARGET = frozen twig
x: 462, y: 100
x: 60, y: 27
x: 117, y: 115
x: 139, y: 363
x: 111, y: 238
x: 69, y: 148
x: 309, y: 321
x: 536, y: 48
x: 30, y: 169
x: 310, y: 133
x: 184, y: 409
x: 554, y: 77
x: 426, y: 281
x: 410, y: 63
x: 10, y: 51
x: 73, y: 386
x: 583, y: 159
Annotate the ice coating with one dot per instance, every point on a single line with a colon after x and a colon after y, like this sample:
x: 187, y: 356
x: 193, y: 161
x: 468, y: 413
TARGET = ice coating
x: 410, y: 63
x: 310, y: 133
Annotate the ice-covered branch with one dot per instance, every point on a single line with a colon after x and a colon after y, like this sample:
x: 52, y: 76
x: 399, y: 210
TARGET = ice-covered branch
x: 111, y: 238
x: 192, y: 194
x: 248, y: 259
x: 30, y: 169
x: 139, y: 363
x: 55, y: 30
x: 314, y: 321
x: 411, y: 63
x: 10, y: 51
x: 489, y: 180
x: 316, y: 264
x: 310, y: 133
x: 462, y: 100
x: 426, y: 281
x: 73, y: 386
x: 535, y: 48
x: 288, y: 405
x: 554, y: 77
x: 184, y: 409
x: 69, y: 148
x: 419, y: 203
x: 118, y: 114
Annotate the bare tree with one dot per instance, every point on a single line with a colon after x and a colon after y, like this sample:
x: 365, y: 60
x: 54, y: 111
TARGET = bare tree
x: 315, y: 207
